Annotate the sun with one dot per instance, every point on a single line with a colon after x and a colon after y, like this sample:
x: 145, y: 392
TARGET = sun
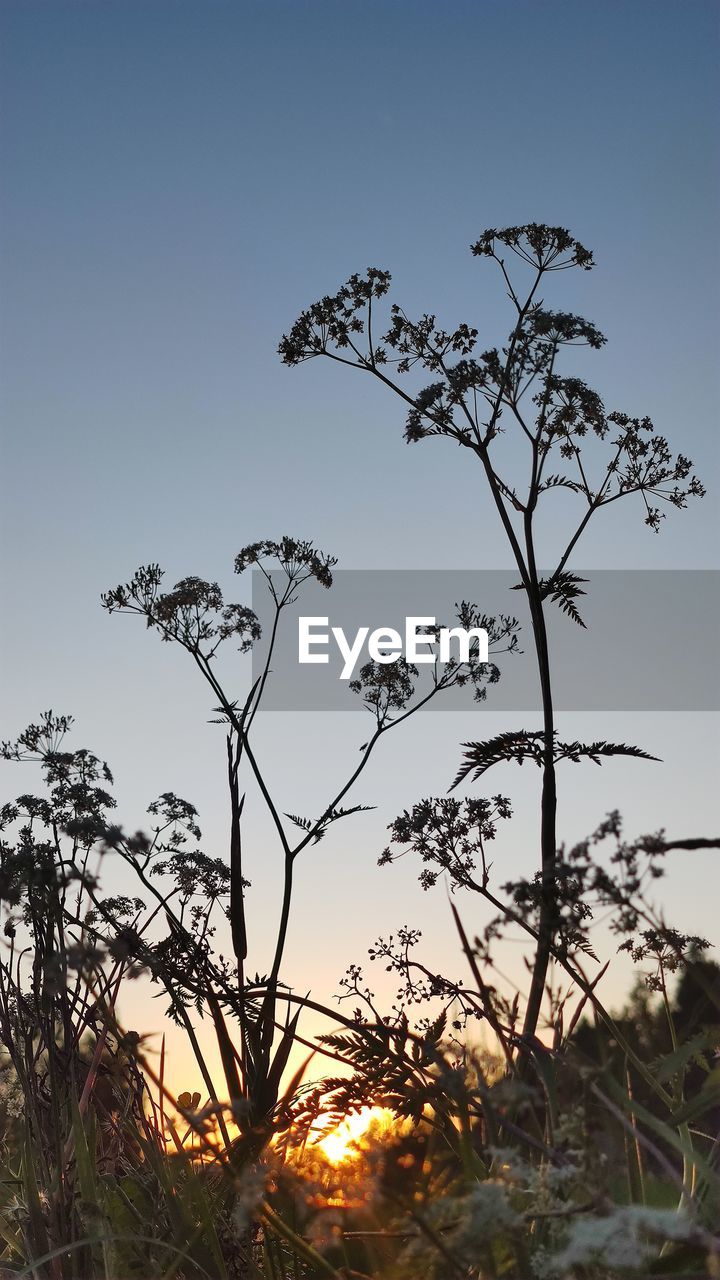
x: 341, y: 1142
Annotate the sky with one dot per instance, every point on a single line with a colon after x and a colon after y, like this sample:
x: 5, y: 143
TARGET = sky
x: 179, y: 181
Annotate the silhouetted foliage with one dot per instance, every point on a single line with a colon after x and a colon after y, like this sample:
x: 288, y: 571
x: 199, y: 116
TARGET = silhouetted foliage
x: 566, y: 440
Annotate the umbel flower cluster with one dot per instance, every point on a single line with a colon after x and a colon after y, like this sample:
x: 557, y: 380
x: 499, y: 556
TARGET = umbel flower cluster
x: 473, y: 390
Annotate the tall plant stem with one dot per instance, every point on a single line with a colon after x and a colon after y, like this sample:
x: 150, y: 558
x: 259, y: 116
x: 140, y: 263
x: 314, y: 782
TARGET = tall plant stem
x: 548, y: 821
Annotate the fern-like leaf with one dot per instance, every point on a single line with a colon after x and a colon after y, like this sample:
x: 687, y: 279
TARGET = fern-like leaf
x: 321, y: 824
x: 517, y: 744
x: 521, y: 745
x: 564, y: 589
x: 552, y: 482
x: 597, y: 751
x: 303, y: 823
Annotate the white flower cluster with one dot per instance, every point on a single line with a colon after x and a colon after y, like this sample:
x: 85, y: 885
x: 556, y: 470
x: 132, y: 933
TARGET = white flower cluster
x: 622, y: 1240
x: 467, y: 1223
x: 250, y: 1190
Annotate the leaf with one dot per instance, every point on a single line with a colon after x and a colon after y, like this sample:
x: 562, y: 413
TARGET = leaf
x: 299, y: 1247
x: 596, y: 751
x: 36, y: 1221
x: 304, y: 823
x: 84, y: 1160
x: 227, y: 1052
x: 692, y: 1051
x: 680, y: 1141
x: 564, y: 589
x: 321, y: 824
x: 516, y: 744
x: 707, y: 1099
x: 552, y: 482
x: 267, y: 1092
x: 435, y: 1031
x: 521, y: 745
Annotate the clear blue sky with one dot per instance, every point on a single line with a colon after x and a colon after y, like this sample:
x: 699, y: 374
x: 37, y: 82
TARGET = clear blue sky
x: 179, y: 180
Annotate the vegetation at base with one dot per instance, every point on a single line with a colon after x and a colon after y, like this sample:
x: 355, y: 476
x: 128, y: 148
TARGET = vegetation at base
x: 534, y: 1134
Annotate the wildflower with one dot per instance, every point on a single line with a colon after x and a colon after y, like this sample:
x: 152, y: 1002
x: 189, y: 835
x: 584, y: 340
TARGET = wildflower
x: 621, y: 1239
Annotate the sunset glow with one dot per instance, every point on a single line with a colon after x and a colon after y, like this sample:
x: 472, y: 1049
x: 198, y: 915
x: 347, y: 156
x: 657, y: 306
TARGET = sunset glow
x: 341, y: 1142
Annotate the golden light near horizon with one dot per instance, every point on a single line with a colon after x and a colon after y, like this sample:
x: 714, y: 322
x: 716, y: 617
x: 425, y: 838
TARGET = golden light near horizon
x: 340, y: 1143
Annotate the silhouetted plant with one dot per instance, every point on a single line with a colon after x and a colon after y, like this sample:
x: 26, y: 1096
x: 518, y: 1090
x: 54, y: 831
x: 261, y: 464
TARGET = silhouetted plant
x: 194, y: 615
x: 71, y: 947
x: 490, y: 1172
x: 474, y: 392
